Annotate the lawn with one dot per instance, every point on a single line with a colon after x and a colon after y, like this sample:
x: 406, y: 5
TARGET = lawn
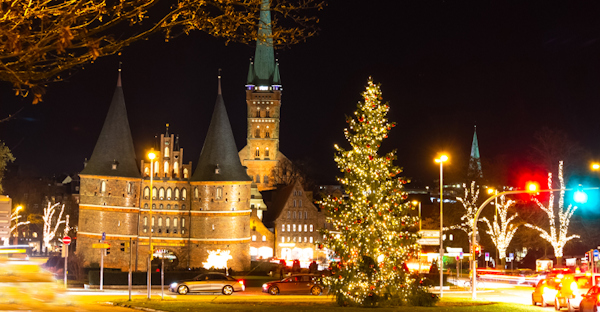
x: 308, y: 303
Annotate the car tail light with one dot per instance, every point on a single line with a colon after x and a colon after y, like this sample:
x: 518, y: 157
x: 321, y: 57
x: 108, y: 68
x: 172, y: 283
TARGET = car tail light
x: 241, y: 282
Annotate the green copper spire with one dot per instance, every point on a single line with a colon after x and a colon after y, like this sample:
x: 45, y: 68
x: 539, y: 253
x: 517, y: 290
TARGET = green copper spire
x: 475, y: 160
x: 264, y: 55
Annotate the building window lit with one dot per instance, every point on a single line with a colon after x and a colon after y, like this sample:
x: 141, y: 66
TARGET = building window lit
x: 182, y: 222
x: 185, y: 173
x: 305, y: 228
x: 305, y: 239
x: 294, y: 227
x: 311, y: 227
x: 103, y: 186
x: 288, y: 239
x: 146, y: 192
x: 166, y: 168
x: 257, y: 153
x: 294, y: 239
x: 183, y: 194
x: 167, y: 151
x: 253, y: 238
x: 264, y: 238
x: 288, y: 227
x: 161, y: 193
x: 283, y: 228
x: 257, y: 134
x: 267, y: 149
x: 129, y: 188
x: 152, y: 222
x: 176, y: 168
x: 310, y: 239
x: 175, y: 222
x: 196, y: 193
x: 219, y: 194
x: 159, y: 221
x: 154, y: 191
x: 145, y: 221
x: 169, y: 193
x: 176, y: 194
x: 167, y: 222
x: 283, y: 239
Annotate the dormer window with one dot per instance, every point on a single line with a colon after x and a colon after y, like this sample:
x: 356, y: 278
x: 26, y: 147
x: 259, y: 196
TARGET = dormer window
x: 219, y: 193
x: 115, y: 164
x: 103, y: 186
x: 217, y: 170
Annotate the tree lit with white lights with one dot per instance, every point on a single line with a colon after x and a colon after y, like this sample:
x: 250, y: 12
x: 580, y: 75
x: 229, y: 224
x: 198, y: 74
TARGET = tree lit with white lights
x: 469, y: 202
x: 503, y: 229
x: 558, y: 235
x: 373, y: 234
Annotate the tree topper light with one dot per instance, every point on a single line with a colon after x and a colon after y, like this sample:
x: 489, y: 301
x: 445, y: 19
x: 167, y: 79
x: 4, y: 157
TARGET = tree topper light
x: 217, y: 259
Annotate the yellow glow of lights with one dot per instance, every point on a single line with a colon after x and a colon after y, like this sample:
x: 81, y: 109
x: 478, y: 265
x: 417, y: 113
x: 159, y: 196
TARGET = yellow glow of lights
x: 151, y: 155
x: 596, y: 166
x: 443, y: 158
x: 217, y: 259
x: 532, y: 186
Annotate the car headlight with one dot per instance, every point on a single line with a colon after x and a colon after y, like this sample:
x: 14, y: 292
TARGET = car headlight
x: 265, y: 285
x: 173, y: 285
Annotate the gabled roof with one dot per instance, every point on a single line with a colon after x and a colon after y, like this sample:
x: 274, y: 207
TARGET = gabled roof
x: 275, y: 201
x: 115, y: 145
x: 219, y: 150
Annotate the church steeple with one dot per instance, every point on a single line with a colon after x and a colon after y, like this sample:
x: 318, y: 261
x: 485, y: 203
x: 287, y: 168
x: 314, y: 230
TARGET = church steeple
x: 262, y: 70
x: 219, y: 159
x: 475, y: 159
x: 114, y: 154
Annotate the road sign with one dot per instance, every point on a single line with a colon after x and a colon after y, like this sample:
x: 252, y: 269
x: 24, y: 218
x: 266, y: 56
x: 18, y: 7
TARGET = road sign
x: 103, y: 236
x: 596, y: 255
x: 461, y: 255
x: 66, y: 240
x: 101, y: 245
x: 511, y: 256
x: 487, y: 256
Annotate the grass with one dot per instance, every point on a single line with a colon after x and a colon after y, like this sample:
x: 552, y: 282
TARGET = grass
x: 308, y: 303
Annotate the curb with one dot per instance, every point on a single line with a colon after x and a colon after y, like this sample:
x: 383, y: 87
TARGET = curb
x: 136, y: 308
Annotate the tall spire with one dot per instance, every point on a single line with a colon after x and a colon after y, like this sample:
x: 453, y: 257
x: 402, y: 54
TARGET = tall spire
x: 114, y: 154
x: 264, y: 55
x: 219, y: 160
x: 475, y: 160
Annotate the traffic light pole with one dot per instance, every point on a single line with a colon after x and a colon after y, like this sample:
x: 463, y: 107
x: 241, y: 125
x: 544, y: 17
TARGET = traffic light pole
x: 129, y: 275
x: 474, y: 233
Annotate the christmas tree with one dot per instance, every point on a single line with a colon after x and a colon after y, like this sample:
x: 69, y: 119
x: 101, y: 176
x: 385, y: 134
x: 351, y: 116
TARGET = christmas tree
x: 373, y: 233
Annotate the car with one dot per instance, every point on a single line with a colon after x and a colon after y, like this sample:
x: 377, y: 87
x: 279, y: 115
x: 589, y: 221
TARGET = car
x: 590, y: 301
x: 297, y: 283
x: 545, y: 292
x: 208, y: 282
x: 571, y: 288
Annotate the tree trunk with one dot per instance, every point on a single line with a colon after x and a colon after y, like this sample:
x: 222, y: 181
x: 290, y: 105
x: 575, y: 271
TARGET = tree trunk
x: 559, y: 262
x: 503, y: 263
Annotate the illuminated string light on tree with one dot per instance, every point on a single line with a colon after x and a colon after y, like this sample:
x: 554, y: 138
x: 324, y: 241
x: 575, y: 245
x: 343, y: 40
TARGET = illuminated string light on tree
x: 373, y: 233
x: 558, y: 232
x: 217, y: 259
x: 503, y: 229
x: 51, y: 224
x: 469, y: 202
x: 14, y: 219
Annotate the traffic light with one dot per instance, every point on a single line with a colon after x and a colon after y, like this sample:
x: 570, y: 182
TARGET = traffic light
x: 580, y: 196
x: 533, y: 187
x: 108, y: 250
x: 477, y: 250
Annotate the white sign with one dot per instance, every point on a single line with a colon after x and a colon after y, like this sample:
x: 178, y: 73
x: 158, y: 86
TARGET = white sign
x: 429, y: 238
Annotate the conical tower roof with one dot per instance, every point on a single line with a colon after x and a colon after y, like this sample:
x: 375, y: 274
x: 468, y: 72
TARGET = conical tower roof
x: 475, y: 160
x: 114, y: 154
x: 262, y: 72
x: 219, y: 160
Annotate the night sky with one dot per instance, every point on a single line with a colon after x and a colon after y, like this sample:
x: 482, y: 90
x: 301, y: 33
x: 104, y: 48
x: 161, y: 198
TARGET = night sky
x: 511, y: 67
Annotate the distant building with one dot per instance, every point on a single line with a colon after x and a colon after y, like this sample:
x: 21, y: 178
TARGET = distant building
x: 5, y: 211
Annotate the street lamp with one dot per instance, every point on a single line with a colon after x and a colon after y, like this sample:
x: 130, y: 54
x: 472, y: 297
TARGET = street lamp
x: 17, y: 217
x: 415, y: 203
x: 443, y: 158
x: 495, y: 191
x: 151, y: 156
x: 595, y: 166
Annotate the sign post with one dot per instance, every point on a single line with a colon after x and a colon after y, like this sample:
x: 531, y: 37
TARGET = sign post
x: 66, y: 243
x: 487, y: 258
x: 129, y: 275
x: 102, y: 252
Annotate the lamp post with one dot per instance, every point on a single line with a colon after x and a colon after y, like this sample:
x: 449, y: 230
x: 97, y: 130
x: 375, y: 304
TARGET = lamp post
x: 415, y: 202
x: 16, y: 218
x: 151, y: 156
x: 495, y: 192
x: 441, y: 161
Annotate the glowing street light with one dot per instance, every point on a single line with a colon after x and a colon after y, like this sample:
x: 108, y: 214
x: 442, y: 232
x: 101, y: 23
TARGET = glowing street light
x: 443, y: 158
x: 595, y: 166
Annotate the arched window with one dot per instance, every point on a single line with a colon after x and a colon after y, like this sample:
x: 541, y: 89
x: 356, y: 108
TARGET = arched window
x: 219, y: 193
x: 257, y: 153
x: 183, y: 194
x: 257, y: 180
x: 169, y: 206
x: 253, y: 238
x: 183, y: 207
x: 185, y: 173
x: 152, y: 222
x: 168, y: 222
x: 166, y: 168
x: 129, y: 188
x: 146, y: 171
x: 300, y: 205
x: 267, y: 150
x: 146, y: 192
x: 305, y: 228
x: 161, y: 194
x: 283, y: 228
x: 159, y: 221
x: 175, y: 222
x: 196, y: 193
x: 153, y: 206
x: 161, y: 207
x: 264, y: 238
x: 103, y: 186
x: 294, y: 211
x: 176, y: 168
x: 154, y: 191
x: 176, y: 194
x: 266, y: 179
x: 267, y: 135
x: 311, y: 227
x: 258, y: 112
x: 145, y: 221
x: 169, y: 193
x: 182, y: 222
x: 176, y: 207
x: 146, y: 206
x: 156, y: 168
x: 166, y: 151
x: 267, y: 113
x: 257, y: 133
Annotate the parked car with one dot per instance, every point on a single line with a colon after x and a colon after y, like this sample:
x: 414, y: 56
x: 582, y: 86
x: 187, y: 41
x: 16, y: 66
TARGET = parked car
x: 297, y: 283
x: 590, y: 301
x: 571, y: 290
x: 209, y: 282
x: 545, y: 292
